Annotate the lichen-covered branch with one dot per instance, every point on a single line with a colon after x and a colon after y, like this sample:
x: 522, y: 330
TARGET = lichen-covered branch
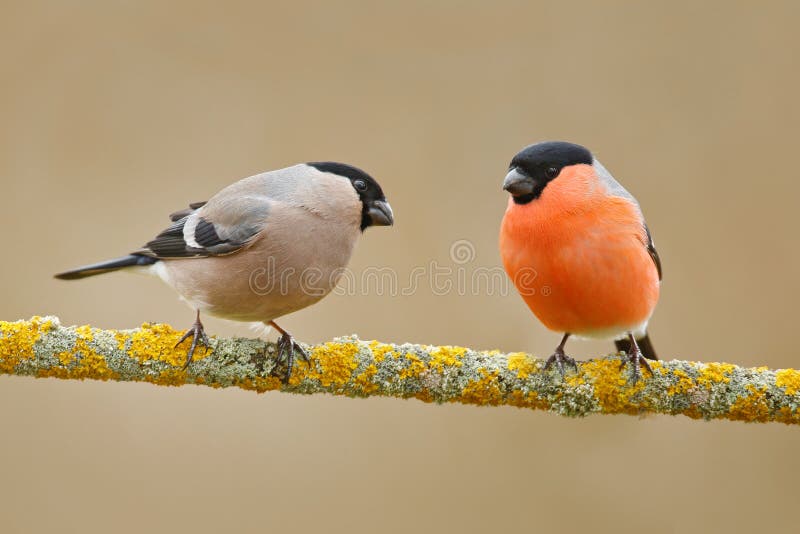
x: 41, y: 347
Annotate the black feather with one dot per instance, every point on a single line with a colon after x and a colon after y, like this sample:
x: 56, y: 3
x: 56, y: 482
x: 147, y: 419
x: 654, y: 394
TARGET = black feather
x: 171, y: 244
x: 178, y: 215
x: 543, y: 162
x: 645, y: 345
x: 132, y: 260
x: 651, y: 248
x: 206, y: 235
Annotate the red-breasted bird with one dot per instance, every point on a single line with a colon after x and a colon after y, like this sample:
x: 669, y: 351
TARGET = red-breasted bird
x: 263, y: 247
x: 575, y: 244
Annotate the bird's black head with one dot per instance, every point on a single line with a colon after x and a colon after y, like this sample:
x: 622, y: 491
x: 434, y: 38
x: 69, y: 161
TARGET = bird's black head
x: 375, y: 210
x: 535, y: 166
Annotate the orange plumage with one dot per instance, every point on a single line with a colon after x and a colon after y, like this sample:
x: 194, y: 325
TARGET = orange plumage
x: 593, y: 274
x: 575, y: 244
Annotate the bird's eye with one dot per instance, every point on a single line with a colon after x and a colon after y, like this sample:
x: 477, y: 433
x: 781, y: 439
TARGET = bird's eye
x: 551, y: 172
x: 360, y: 185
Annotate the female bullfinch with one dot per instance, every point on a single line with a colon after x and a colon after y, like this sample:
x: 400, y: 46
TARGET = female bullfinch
x: 577, y: 248
x: 244, y: 255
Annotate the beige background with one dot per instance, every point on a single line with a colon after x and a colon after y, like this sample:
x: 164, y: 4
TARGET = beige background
x: 115, y: 113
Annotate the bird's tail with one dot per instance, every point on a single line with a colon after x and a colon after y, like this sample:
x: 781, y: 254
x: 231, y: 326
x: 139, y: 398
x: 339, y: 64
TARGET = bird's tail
x: 131, y: 260
x: 645, y: 345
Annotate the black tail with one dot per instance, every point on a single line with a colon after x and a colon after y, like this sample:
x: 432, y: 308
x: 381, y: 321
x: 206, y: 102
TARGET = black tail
x: 131, y: 260
x: 645, y: 345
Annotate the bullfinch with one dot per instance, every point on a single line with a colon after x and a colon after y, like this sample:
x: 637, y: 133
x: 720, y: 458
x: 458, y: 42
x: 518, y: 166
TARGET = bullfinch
x: 261, y: 248
x: 575, y: 244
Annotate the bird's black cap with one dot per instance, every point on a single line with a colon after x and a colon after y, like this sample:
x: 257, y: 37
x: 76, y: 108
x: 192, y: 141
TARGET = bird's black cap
x: 368, y: 190
x: 556, y: 154
x: 543, y: 162
x: 342, y: 169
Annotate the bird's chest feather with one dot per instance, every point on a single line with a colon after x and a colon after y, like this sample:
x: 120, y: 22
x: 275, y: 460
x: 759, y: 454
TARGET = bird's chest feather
x: 296, y: 261
x: 580, y: 266
x: 581, y: 242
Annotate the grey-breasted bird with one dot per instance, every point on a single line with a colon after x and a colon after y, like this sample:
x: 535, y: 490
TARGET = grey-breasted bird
x: 261, y: 248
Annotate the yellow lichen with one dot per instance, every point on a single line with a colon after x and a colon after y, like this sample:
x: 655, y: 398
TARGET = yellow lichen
x: 45, y: 325
x: 336, y: 362
x: 715, y: 373
x: 522, y: 364
x: 447, y: 356
x: 260, y: 384
x: 424, y: 395
x: 168, y: 377
x: 380, y: 350
x: 752, y: 407
x: 789, y: 379
x: 484, y: 391
x: 611, y: 387
x: 158, y: 342
x: 683, y: 385
x: 415, y: 367
x: 91, y: 364
x: 575, y: 379
x: 81, y: 361
x: 788, y: 415
x: 17, y: 340
x: 530, y: 400
x: 364, y: 380
x: 301, y: 371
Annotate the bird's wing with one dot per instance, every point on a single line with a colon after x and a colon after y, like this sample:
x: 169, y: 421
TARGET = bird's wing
x: 221, y: 226
x: 178, y: 215
x: 651, y: 249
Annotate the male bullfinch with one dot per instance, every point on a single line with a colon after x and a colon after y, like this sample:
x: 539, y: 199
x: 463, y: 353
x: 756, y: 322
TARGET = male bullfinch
x: 263, y: 247
x: 576, y: 245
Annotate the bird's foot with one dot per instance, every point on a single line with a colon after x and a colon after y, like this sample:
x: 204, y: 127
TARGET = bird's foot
x: 286, y: 351
x: 635, y: 357
x: 287, y: 346
x: 198, y: 335
x: 561, y: 360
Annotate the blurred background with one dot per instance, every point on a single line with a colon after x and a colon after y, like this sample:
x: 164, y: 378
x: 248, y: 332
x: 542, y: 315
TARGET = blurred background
x: 116, y: 113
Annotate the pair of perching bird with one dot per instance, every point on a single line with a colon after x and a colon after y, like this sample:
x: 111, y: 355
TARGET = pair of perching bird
x: 568, y: 222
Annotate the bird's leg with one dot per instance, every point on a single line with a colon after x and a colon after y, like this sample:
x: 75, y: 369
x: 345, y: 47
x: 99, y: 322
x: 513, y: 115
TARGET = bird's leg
x: 560, y: 358
x: 198, y: 334
x: 286, y: 348
x: 635, y: 358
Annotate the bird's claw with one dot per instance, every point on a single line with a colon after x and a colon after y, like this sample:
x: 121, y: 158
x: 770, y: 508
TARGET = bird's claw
x: 198, y: 335
x: 560, y: 360
x: 286, y: 351
x: 635, y: 357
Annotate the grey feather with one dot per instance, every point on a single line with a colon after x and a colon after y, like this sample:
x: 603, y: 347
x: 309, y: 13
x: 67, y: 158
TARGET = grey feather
x: 614, y: 187
x: 223, y: 225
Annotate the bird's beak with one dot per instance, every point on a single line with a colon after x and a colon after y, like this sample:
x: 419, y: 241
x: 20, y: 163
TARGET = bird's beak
x: 518, y: 184
x: 380, y: 213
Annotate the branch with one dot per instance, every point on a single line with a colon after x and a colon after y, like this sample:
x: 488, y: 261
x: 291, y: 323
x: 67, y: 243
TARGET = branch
x: 41, y: 347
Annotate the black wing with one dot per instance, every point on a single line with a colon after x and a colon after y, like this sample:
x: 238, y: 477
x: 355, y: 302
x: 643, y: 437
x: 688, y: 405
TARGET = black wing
x: 651, y: 248
x: 234, y: 227
x: 178, y: 215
